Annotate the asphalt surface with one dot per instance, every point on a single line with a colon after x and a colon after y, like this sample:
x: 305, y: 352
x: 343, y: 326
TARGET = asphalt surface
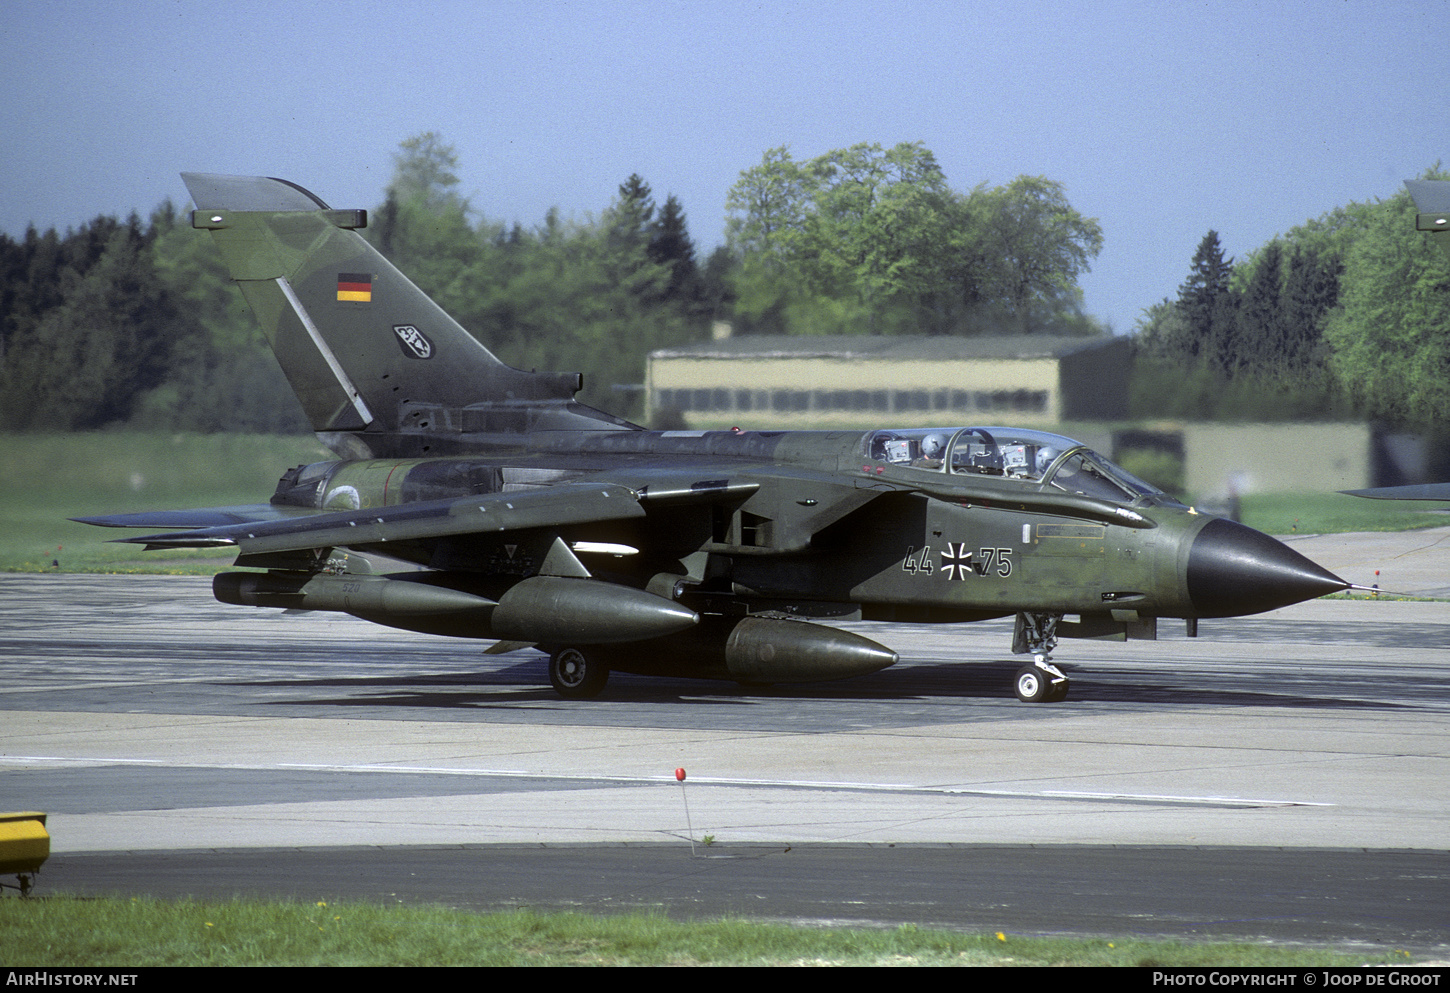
x: 1279, y: 777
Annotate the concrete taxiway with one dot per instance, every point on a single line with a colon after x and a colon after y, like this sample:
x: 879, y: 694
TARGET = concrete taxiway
x: 148, y: 718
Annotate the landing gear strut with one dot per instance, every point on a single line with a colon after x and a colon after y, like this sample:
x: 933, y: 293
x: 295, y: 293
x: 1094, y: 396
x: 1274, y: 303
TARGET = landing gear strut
x: 26, y: 883
x: 1040, y: 682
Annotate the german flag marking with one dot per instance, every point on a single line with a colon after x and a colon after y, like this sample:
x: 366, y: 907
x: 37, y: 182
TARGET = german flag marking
x: 355, y: 287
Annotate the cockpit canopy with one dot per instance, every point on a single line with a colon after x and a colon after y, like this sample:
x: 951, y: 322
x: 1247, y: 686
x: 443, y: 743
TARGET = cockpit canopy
x: 1033, y: 457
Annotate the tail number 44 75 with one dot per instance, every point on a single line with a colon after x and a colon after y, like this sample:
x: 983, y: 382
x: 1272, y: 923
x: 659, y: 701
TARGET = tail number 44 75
x: 957, y: 562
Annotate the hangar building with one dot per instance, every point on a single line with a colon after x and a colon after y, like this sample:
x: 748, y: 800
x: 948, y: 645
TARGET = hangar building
x: 830, y: 381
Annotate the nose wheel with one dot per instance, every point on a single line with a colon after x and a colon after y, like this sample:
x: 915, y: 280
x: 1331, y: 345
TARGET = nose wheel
x: 1040, y: 684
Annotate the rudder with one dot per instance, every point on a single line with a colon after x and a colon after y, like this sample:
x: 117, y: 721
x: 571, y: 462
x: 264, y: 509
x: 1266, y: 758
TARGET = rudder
x: 358, y: 341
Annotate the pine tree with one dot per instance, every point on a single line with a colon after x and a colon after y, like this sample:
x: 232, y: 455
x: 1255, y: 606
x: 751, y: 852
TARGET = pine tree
x: 670, y: 244
x: 1202, y: 300
x: 1259, y: 343
x: 631, y: 216
x: 1311, y: 291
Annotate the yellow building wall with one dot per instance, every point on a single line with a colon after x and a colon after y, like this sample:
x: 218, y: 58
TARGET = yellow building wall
x: 1036, y: 375
x: 1269, y: 458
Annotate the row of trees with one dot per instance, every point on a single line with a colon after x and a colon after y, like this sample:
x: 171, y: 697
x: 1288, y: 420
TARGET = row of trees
x: 1347, y: 315
x: 136, y: 322
x: 595, y: 295
x: 131, y: 322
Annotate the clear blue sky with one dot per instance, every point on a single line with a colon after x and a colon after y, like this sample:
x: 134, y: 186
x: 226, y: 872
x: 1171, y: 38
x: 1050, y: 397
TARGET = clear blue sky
x: 1162, y: 119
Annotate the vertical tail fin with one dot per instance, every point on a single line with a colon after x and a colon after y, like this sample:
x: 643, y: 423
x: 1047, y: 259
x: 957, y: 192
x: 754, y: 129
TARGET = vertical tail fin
x: 368, y: 354
x: 1432, y: 198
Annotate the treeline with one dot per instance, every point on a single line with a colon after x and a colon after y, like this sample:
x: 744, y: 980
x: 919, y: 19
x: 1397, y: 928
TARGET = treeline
x: 135, y: 322
x: 873, y: 240
x: 863, y: 240
x: 1345, y: 316
x: 593, y: 295
x: 131, y: 322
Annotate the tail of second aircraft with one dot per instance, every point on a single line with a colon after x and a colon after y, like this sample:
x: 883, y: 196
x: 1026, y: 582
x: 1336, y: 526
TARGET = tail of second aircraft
x: 1432, y: 197
x: 380, y: 369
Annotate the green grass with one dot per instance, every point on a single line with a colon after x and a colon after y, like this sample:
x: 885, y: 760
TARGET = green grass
x: 64, y: 931
x: 1336, y: 513
x: 45, y: 479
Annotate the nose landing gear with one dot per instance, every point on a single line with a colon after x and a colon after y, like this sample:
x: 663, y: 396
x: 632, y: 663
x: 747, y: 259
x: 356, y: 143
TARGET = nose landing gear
x: 1040, y: 682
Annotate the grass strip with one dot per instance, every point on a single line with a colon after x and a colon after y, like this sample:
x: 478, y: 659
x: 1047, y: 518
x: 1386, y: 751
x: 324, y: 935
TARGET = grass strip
x: 139, y: 931
x: 46, y: 479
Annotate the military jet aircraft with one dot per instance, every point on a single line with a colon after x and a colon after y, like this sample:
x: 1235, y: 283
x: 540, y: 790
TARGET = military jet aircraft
x: 510, y: 511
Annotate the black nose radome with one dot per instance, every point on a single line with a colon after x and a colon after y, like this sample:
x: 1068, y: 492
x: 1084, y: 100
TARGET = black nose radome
x: 1236, y: 570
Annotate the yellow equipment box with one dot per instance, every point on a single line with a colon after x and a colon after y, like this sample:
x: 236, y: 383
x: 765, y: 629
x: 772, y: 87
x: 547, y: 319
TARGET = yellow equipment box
x: 24, y: 843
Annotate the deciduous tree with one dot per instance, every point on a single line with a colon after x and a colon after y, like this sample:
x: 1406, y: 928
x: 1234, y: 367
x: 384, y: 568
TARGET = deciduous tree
x: 1391, y: 334
x: 873, y: 239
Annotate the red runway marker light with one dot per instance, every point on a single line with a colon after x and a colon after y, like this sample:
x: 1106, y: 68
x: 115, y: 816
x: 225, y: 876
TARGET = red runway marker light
x: 689, y: 827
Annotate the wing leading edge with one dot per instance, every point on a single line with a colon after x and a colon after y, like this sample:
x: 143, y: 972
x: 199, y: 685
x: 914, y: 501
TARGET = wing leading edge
x: 575, y: 503
x: 201, y: 517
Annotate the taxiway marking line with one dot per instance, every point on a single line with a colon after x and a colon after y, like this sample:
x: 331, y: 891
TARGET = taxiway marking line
x: 642, y: 780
